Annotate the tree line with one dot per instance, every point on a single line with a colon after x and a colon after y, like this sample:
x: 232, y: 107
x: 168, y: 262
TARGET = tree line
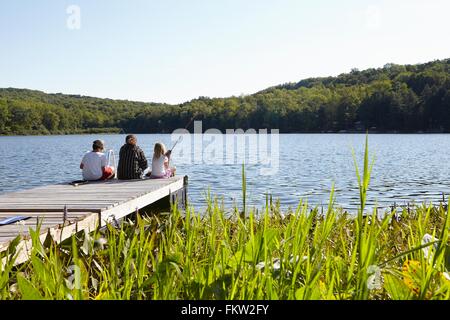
x: 394, y: 98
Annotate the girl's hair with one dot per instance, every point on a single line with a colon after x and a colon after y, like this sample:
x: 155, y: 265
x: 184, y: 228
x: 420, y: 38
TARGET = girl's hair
x: 160, y: 150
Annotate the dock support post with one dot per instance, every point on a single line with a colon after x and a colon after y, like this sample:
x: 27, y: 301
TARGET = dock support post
x: 185, y: 198
x: 180, y: 196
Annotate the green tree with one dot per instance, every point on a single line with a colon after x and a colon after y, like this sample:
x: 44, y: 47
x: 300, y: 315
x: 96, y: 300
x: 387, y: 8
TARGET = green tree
x: 51, y: 120
x: 4, y: 117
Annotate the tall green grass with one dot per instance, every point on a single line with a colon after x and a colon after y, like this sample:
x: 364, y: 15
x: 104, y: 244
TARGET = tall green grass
x: 299, y: 254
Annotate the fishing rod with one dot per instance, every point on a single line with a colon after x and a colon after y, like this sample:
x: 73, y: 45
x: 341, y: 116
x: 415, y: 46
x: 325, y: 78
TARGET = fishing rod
x: 176, y: 142
x: 181, y: 137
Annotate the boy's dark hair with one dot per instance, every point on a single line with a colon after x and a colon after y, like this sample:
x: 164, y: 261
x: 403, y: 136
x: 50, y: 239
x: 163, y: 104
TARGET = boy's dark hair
x: 97, y: 144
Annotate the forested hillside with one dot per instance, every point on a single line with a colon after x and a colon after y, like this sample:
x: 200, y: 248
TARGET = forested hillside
x: 394, y: 98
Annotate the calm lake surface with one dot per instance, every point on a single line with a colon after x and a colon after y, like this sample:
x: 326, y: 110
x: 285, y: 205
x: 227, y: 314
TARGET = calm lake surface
x: 407, y: 167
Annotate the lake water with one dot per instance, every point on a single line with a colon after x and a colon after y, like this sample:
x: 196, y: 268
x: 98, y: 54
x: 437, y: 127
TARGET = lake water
x: 407, y: 168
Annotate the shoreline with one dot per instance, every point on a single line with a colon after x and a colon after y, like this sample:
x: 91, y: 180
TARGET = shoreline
x: 168, y: 133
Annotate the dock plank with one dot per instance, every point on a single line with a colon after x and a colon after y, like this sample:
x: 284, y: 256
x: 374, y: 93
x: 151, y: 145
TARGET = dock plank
x: 89, y: 206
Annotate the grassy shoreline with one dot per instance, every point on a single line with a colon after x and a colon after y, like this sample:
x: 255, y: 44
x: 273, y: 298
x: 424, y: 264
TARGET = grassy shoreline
x: 63, y: 132
x: 269, y: 255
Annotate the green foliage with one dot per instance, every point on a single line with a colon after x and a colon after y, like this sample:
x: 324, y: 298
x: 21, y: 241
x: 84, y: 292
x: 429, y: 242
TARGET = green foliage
x: 394, y: 98
x: 300, y: 255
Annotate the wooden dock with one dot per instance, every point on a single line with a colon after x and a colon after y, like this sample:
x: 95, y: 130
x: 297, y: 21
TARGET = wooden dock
x: 88, y: 206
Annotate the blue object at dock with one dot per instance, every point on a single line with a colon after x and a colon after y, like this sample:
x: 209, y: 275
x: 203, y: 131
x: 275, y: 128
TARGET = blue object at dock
x: 12, y: 220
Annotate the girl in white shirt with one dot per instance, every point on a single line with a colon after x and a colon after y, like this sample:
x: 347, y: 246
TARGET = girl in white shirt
x: 160, y: 162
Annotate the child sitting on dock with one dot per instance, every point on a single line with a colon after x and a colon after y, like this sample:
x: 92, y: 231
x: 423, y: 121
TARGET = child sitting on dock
x: 160, y: 163
x: 95, y: 164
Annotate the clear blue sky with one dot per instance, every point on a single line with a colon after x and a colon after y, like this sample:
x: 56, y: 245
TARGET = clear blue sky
x: 173, y: 51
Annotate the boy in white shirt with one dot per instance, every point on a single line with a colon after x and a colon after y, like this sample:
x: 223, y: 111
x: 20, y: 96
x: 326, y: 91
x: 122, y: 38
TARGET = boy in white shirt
x: 95, y: 165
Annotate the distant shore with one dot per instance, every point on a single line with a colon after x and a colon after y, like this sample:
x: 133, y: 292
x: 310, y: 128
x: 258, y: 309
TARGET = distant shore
x: 391, y: 99
x: 119, y: 131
